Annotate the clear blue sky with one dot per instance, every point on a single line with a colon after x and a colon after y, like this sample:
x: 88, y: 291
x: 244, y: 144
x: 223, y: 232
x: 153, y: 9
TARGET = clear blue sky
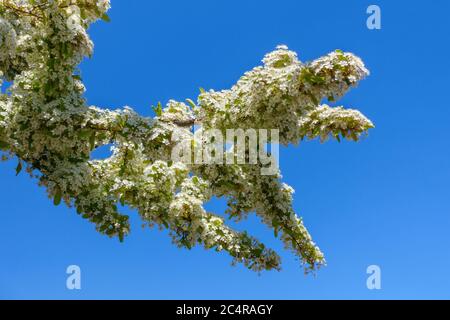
x: 383, y: 201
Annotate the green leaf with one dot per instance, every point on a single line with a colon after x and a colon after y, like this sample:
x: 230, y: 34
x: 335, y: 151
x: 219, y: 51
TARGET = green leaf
x: 202, y: 90
x: 83, y: 13
x: 258, y: 251
x: 51, y: 63
x: 84, y: 133
x: 19, y: 168
x: 92, y: 141
x: 158, y: 109
x: 106, y: 18
x: 3, y: 145
x: 313, y: 98
x: 25, y: 125
x: 275, y: 225
x: 57, y: 198
x: 191, y: 103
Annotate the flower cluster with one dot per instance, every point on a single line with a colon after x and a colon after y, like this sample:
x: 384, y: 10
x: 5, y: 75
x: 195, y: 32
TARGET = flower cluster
x: 46, y: 123
x: 264, y: 97
x: 325, y: 121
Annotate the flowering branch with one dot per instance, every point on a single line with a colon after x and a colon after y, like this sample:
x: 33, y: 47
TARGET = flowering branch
x: 46, y: 123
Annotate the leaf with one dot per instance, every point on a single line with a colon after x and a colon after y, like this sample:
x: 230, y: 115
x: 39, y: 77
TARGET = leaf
x: 92, y: 141
x: 19, y: 168
x: 3, y: 145
x: 202, y: 90
x: 275, y: 225
x: 84, y: 134
x: 105, y: 18
x: 51, y: 64
x: 191, y: 103
x: 313, y: 98
x: 83, y: 13
x: 25, y: 125
x: 58, y: 197
x: 158, y: 109
x: 258, y: 251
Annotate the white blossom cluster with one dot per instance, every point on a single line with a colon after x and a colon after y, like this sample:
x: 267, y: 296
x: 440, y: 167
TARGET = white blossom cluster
x: 46, y: 123
x: 265, y: 96
x: 325, y: 121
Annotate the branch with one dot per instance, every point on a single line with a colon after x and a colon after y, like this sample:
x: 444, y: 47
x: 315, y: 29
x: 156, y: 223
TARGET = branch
x: 19, y: 10
x: 186, y: 123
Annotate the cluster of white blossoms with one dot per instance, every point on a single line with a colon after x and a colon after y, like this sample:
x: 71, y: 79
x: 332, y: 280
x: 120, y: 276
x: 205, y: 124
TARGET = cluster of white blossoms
x: 325, y: 122
x: 46, y: 123
x: 282, y: 93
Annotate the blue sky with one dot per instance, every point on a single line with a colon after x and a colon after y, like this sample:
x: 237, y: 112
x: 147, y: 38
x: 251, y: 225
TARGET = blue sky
x: 381, y: 201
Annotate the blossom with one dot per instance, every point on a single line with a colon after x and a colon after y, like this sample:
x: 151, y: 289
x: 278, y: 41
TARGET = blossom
x: 45, y: 121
